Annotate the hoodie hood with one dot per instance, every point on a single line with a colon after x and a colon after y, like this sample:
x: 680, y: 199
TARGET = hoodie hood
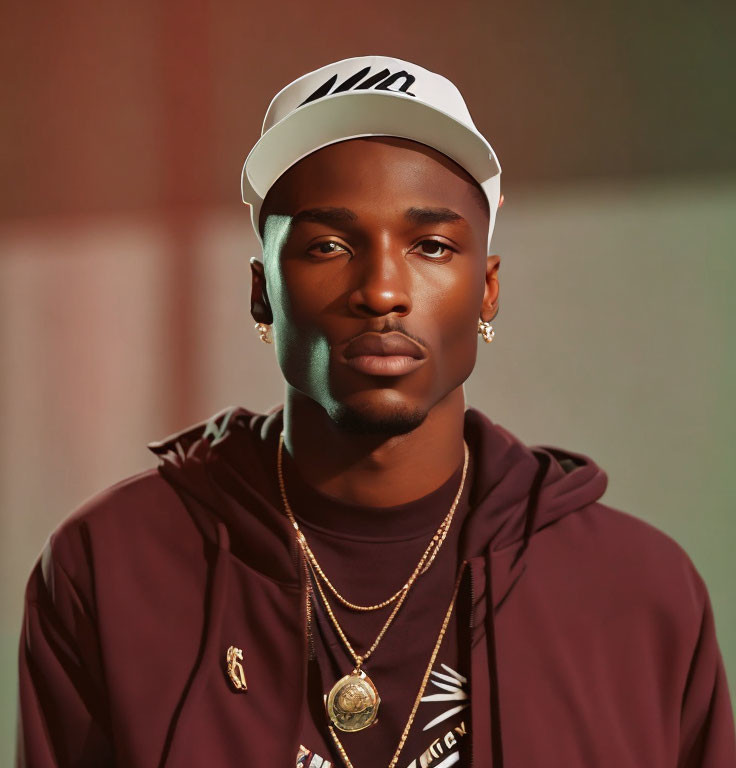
x: 228, y: 463
x: 518, y: 489
x: 224, y: 471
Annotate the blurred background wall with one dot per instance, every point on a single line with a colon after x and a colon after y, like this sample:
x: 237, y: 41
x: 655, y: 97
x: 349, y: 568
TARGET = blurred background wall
x: 124, y: 281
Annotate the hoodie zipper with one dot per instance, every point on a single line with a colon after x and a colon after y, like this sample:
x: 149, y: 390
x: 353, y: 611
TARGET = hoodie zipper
x: 308, y: 600
x: 298, y: 558
x: 470, y: 629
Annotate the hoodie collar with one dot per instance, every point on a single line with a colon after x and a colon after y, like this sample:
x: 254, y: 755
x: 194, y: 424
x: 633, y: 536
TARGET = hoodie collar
x: 226, y: 465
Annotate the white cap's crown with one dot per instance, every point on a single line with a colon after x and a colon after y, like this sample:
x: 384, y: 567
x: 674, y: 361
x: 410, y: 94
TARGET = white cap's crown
x: 367, y: 96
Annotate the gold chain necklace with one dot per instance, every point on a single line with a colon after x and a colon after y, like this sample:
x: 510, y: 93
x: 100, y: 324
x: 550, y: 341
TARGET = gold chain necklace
x: 353, y: 701
x: 422, y: 687
x: 430, y: 552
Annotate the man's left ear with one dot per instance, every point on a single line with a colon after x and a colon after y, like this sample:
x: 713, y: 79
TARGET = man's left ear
x: 260, y: 308
x: 489, y: 307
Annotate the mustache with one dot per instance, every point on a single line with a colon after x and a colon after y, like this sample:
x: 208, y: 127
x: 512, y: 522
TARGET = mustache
x: 393, y: 325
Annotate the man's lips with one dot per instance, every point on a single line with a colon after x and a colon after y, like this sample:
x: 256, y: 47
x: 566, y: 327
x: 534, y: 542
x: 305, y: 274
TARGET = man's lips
x: 385, y: 344
x: 384, y: 354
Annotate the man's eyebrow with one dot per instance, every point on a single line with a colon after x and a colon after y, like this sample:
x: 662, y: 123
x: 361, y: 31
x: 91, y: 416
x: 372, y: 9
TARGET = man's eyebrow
x: 433, y: 216
x: 325, y: 216
x: 337, y: 216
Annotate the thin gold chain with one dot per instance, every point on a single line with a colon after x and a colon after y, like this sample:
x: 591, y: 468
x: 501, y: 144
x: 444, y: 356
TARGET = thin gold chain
x: 359, y: 659
x: 422, y: 687
x: 430, y: 552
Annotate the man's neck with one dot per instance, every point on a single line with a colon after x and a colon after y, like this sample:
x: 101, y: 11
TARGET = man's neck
x: 369, y: 469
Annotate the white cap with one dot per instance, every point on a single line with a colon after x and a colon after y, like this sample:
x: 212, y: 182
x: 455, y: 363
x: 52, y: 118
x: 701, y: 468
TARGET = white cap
x: 367, y: 96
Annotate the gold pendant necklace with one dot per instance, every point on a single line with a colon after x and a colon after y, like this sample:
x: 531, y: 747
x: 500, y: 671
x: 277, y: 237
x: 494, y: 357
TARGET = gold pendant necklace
x: 425, y: 679
x: 353, y: 701
x: 352, y: 704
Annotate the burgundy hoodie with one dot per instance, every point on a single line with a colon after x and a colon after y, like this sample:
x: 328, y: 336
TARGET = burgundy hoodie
x: 599, y: 649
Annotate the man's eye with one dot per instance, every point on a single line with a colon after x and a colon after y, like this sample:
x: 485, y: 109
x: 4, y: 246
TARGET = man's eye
x: 326, y: 248
x: 437, y: 249
x: 433, y: 249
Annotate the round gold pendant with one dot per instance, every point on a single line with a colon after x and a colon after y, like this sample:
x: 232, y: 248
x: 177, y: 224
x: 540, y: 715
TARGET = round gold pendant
x: 352, y: 704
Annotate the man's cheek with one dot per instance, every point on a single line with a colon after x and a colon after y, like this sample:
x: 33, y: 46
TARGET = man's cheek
x: 460, y: 350
x: 303, y: 306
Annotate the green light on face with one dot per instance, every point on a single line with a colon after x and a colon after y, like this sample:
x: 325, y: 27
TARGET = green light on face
x: 311, y: 354
x: 275, y: 234
x: 319, y: 364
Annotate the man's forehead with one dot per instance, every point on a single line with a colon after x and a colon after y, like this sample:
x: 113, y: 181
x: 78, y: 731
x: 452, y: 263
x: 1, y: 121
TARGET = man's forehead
x: 319, y: 202
x: 436, y: 189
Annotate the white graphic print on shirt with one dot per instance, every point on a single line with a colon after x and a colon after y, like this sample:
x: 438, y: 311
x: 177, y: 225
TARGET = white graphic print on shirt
x: 452, y: 683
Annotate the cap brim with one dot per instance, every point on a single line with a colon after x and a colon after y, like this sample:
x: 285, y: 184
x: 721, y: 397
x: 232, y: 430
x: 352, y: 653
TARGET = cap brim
x: 351, y: 115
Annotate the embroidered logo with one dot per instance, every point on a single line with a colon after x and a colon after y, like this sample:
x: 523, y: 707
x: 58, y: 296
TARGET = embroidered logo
x: 384, y: 80
x: 235, y: 670
x: 214, y: 431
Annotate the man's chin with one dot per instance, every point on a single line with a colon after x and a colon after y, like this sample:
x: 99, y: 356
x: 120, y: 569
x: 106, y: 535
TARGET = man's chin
x: 387, y: 420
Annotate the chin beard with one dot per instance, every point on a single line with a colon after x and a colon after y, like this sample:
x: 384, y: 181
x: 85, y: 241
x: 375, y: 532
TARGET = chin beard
x: 390, y: 422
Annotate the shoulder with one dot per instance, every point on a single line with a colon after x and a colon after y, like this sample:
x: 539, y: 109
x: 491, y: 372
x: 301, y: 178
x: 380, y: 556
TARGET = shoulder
x: 142, y: 499
x: 641, y: 568
x: 636, y: 542
x: 131, y: 520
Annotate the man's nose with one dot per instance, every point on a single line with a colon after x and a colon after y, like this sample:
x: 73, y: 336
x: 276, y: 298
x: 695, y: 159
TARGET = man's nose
x: 381, y: 282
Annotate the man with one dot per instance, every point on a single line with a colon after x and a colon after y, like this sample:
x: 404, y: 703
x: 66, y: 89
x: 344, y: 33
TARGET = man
x: 372, y: 574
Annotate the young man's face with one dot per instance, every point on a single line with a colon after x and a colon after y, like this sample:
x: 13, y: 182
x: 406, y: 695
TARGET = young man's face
x: 331, y: 276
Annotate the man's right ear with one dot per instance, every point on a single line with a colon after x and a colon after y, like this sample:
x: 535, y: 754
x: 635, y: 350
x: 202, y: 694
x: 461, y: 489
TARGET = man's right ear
x: 260, y: 308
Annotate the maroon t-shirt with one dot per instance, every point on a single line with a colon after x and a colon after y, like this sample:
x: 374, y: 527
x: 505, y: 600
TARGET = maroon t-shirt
x: 368, y: 554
